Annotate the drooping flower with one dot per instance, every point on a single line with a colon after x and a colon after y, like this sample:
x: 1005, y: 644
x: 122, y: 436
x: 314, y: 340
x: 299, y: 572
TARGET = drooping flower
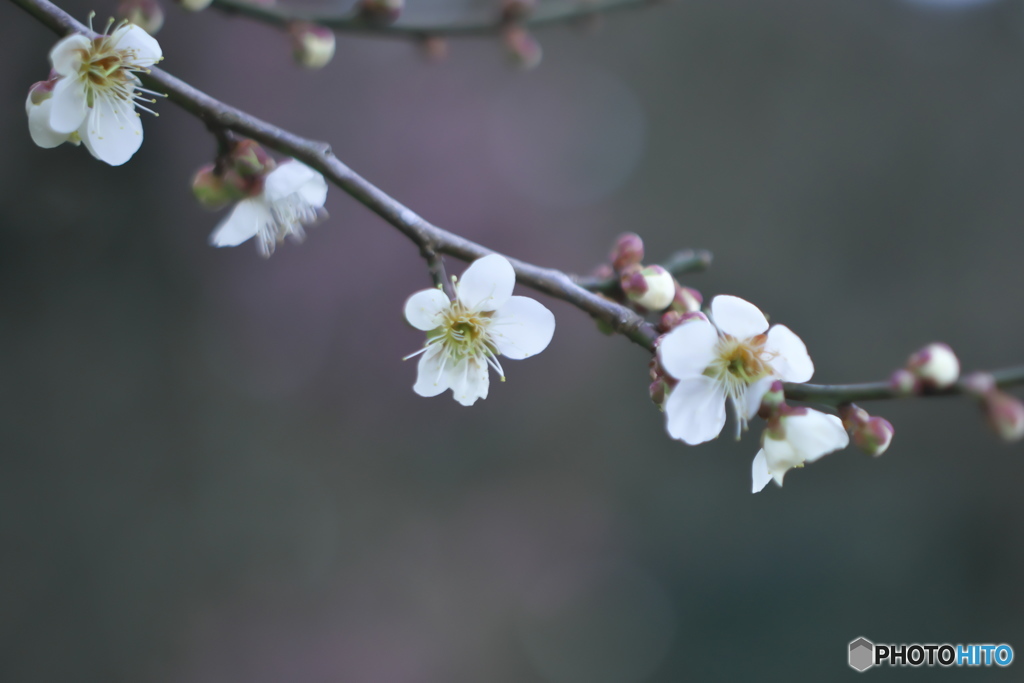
x: 790, y: 440
x: 727, y: 358
x: 467, y: 334
x: 96, y: 91
x: 292, y: 196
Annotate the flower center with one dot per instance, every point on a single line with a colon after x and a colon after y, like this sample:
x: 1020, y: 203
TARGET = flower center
x: 464, y: 333
x: 739, y: 363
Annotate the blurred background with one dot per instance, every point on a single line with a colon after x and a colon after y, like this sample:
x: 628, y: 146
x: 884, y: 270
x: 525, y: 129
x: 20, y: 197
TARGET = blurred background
x: 213, y: 467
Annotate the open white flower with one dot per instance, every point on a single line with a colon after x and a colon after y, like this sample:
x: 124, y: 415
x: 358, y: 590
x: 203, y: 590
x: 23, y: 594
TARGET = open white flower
x: 96, y: 92
x: 729, y: 358
x: 466, y: 335
x: 293, y: 196
x: 794, y: 439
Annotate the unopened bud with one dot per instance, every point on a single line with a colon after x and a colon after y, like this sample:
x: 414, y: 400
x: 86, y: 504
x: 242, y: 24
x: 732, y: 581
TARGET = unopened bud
x: 435, y: 48
x: 978, y: 384
x: 521, y: 47
x: 903, y: 382
x: 870, y: 434
x: 194, y: 5
x: 652, y: 287
x: 1004, y: 414
x: 381, y: 11
x: 935, y: 365
x: 672, y: 319
x: 146, y: 14
x: 248, y: 158
x: 212, y: 190
x: 628, y: 251
x: 686, y: 299
x: 312, y: 44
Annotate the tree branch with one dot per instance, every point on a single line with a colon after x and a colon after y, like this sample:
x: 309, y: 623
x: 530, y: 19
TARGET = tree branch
x: 836, y: 394
x: 544, y: 13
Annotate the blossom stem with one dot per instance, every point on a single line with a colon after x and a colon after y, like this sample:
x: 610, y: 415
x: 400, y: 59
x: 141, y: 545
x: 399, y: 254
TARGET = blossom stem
x: 490, y: 23
x: 837, y: 394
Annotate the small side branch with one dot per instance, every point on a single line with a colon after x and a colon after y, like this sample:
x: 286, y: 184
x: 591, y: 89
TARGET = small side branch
x: 837, y: 394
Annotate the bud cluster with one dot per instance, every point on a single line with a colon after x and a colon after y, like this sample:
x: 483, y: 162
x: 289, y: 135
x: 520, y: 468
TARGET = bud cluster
x: 650, y: 288
x: 236, y: 175
x: 1004, y: 413
x: 870, y: 434
x: 932, y: 368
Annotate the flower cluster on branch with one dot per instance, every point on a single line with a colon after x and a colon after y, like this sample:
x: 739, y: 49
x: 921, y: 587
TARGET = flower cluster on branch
x: 706, y: 360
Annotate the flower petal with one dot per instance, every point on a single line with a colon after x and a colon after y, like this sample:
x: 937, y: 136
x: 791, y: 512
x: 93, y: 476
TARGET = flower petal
x: 754, y: 394
x: 759, y: 473
x: 791, y: 361
x: 425, y: 309
x: 66, y: 55
x: 781, y: 456
x: 469, y: 381
x: 39, y: 124
x: 522, y: 328
x: 292, y: 177
x: 688, y: 350
x: 816, y: 434
x: 243, y: 222
x: 487, y: 283
x: 135, y: 39
x: 431, y: 378
x: 695, y: 410
x: 69, y: 109
x: 737, y: 317
x: 112, y: 131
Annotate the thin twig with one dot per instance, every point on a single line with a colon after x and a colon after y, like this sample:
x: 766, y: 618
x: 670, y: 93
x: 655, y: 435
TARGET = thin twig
x: 544, y: 13
x: 679, y: 264
x: 836, y: 394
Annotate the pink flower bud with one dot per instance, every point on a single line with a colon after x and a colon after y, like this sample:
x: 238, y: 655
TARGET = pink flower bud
x: 248, y: 159
x: 1004, y: 414
x: 903, y: 382
x: 652, y: 287
x: 628, y: 251
x: 686, y: 299
x: 979, y: 384
x: 521, y: 47
x: 870, y: 434
x: 211, y: 190
x: 312, y: 45
x: 147, y: 14
x: 935, y: 365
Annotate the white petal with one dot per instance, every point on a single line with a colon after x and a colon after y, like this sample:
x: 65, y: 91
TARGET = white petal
x: 736, y: 317
x: 295, y: 177
x: 146, y: 48
x: 695, y: 410
x: 243, y: 222
x: 816, y: 434
x: 431, y: 378
x: 469, y: 381
x: 755, y: 394
x: 112, y: 131
x: 66, y: 55
x: 687, y: 350
x: 39, y: 124
x: 487, y: 283
x: 522, y: 328
x: 781, y: 456
x: 68, y: 110
x: 791, y: 362
x: 425, y: 309
x: 759, y: 473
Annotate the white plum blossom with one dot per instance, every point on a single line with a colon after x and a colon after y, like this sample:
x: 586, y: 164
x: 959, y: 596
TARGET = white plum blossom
x: 94, y: 93
x: 791, y: 440
x: 467, y: 334
x: 731, y: 357
x: 293, y: 195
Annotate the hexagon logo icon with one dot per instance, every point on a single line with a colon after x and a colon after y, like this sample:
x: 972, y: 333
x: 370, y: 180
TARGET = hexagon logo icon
x: 862, y: 654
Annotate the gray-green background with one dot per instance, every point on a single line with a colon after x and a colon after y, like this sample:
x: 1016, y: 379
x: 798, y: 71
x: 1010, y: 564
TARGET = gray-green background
x: 213, y: 467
